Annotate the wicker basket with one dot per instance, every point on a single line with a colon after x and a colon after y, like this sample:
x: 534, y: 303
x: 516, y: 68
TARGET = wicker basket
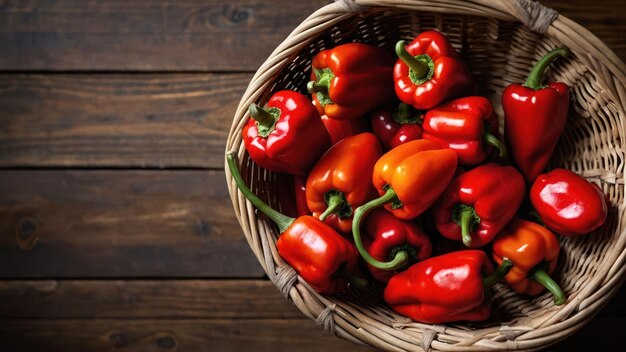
x: 500, y: 40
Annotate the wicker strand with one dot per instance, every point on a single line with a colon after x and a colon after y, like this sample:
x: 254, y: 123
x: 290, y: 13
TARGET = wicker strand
x: 538, y: 17
x: 286, y: 277
x: 326, y: 320
x: 350, y: 6
x: 427, y: 338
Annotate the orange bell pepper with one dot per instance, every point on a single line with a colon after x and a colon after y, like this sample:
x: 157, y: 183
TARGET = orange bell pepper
x: 409, y: 179
x: 534, y: 251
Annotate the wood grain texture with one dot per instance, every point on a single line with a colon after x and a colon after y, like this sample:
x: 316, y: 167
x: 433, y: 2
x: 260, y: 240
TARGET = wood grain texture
x: 151, y: 120
x: 144, y: 299
x: 199, y: 35
x: 120, y: 224
x: 207, y: 35
x: 170, y: 335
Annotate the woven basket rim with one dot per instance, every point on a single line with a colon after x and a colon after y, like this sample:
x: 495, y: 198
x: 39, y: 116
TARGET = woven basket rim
x: 567, y: 319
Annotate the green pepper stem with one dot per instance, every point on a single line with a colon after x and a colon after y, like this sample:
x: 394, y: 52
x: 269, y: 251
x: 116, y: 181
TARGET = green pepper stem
x: 419, y: 68
x: 335, y: 203
x: 467, y: 215
x: 496, y: 142
x: 314, y: 87
x: 498, y: 274
x: 535, y: 78
x: 401, y: 258
x: 281, y: 220
x: 260, y: 115
x: 542, y: 277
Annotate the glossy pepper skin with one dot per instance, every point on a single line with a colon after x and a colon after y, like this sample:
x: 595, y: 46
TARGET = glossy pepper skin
x: 534, y: 251
x: 321, y: 256
x: 534, y: 118
x: 429, y: 72
x: 466, y: 125
x: 409, y: 179
x: 479, y: 203
x: 336, y: 185
x: 396, y: 126
x: 444, y: 289
x: 288, y: 137
x: 351, y: 79
x: 340, y: 129
x: 568, y: 203
x: 386, y: 235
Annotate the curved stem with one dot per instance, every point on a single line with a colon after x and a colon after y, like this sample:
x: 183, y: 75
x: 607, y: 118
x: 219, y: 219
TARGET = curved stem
x: 496, y: 142
x: 535, y: 78
x: 467, y: 216
x: 542, y: 277
x: 335, y: 203
x: 401, y: 258
x: 314, y: 87
x: 419, y: 68
x: 262, y: 116
x: 281, y: 220
x: 498, y: 274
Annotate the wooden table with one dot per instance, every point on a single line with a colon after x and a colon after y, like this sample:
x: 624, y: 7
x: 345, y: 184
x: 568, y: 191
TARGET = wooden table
x: 116, y: 229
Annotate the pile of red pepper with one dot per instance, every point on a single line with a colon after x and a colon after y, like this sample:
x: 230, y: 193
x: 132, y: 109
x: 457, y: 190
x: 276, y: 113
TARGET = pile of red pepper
x: 410, y: 137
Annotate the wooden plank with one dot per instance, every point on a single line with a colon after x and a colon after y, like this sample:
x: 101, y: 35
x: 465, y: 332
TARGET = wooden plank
x: 151, y: 120
x: 207, y: 35
x: 145, y: 35
x: 145, y: 299
x: 170, y: 335
x: 120, y: 224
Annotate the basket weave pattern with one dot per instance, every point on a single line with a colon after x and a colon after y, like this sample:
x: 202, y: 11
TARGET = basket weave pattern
x: 500, y: 41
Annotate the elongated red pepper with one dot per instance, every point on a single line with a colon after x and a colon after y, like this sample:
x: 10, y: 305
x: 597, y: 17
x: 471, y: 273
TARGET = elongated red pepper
x: 534, y: 251
x: 288, y: 137
x: 321, y: 256
x: 290, y: 191
x: 478, y: 204
x: 336, y: 186
x: 351, y: 79
x: 386, y: 235
x: 534, y: 117
x: 567, y: 203
x: 340, y: 129
x: 409, y: 179
x: 451, y: 287
x: 429, y: 72
x: 466, y: 125
x: 396, y: 126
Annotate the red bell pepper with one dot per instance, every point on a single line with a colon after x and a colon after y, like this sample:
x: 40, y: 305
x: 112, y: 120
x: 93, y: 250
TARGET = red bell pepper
x: 534, y: 251
x: 340, y: 129
x: 567, y: 203
x: 466, y: 125
x: 290, y: 191
x: 409, y: 179
x: 351, y: 79
x: 534, y: 117
x: 386, y: 235
x: 429, y: 71
x: 321, y: 256
x: 394, y: 127
x: 479, y: 203
x: 288, y: 137
x: 447, y: 288
x: 336, y: 186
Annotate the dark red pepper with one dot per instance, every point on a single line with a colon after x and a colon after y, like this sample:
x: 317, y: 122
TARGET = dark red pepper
x: 429, y: 72
x: 321, y: 256
x: 479, y: 203
x: 534, y: 117
x: 340, y: 129
x: 568, y: 203
x: 451, y: 287
x: 288, y: 137
x: 386, y: 235
x: 466, y: 125
x: 396, y: 126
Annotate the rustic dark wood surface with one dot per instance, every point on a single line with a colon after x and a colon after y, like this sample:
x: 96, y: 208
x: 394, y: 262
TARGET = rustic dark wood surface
x: 116, y: 230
